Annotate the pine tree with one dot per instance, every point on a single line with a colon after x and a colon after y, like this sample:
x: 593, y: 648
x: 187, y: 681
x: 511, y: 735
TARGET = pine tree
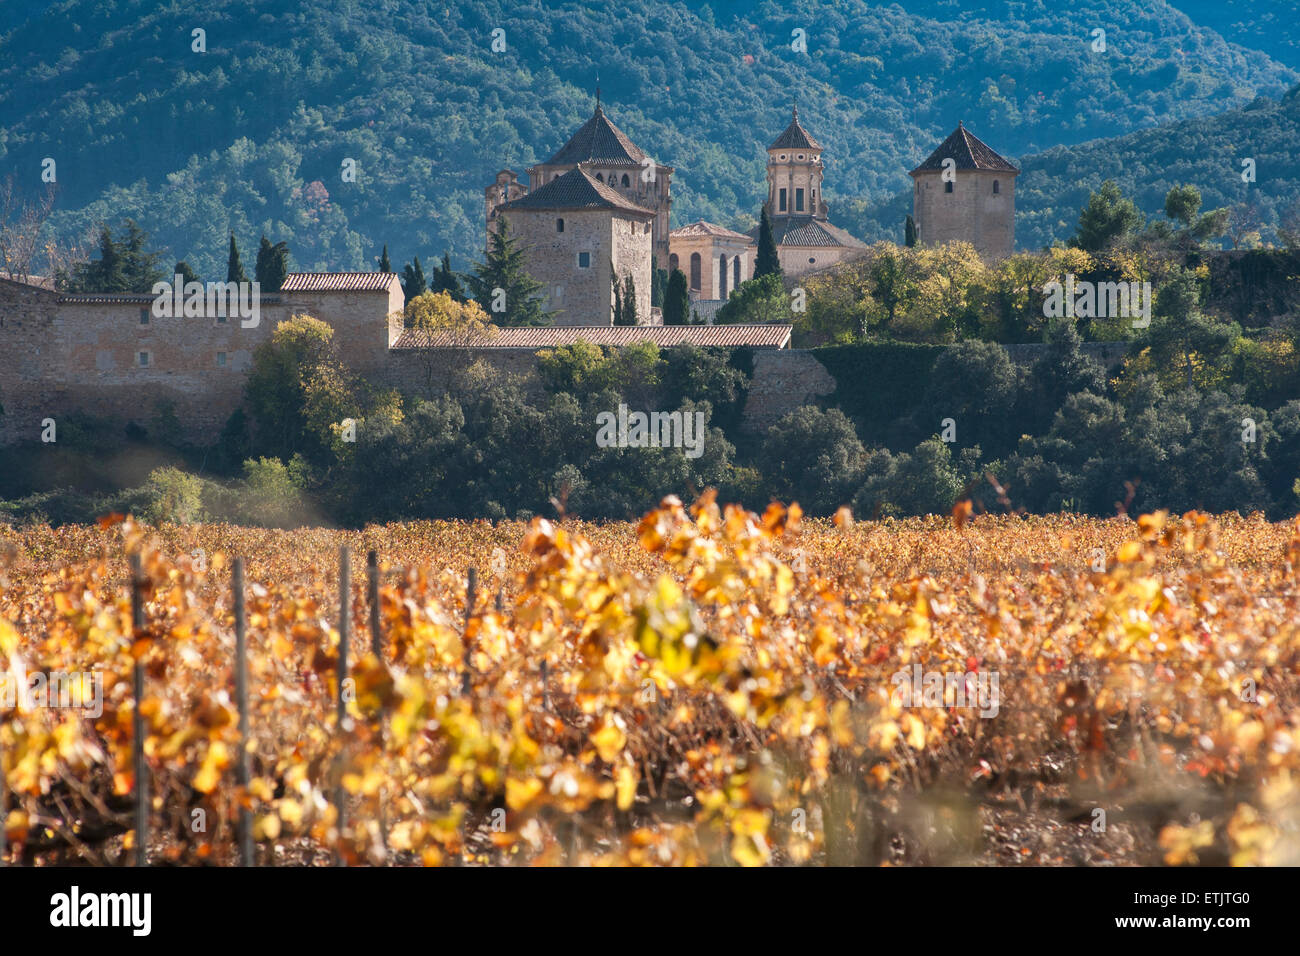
x: 677, y: 300
x: 413, y: 283
x: 766, y: 262
x: 384, y: 264
x: 140, y: 269
x: 504, y: 270
x: 444, y: 280
x: 272, y: 265
x: 107, y: 273
x: 234, y: 268
x: 909, y: 232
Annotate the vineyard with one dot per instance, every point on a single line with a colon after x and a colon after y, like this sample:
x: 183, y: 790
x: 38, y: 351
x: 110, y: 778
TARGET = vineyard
x: 709, y: 686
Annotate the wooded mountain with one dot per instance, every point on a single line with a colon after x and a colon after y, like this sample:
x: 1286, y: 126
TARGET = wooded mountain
x: 252, y: 134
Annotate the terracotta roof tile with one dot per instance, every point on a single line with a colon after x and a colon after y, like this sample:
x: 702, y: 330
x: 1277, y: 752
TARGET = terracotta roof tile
x: 702, y: 228
x: 968, y: 151
x: 665, y: 336
x: 576, y: 190
x: 795, y: 136
x: 598, y: 139
x: 338, y: 281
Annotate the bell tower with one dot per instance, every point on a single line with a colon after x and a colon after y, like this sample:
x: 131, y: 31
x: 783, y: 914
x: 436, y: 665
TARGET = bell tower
x: 794, y: 174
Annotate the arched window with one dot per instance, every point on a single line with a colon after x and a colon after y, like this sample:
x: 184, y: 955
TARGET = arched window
x: 600, y: 178
x: 672, y: 262
x: 695, y: 271
x: 559, y: 225
x: 947, y: 187
x: 736, y: 269
x: 722, y: 277
x: 997, y: 187
x: 626, y: 182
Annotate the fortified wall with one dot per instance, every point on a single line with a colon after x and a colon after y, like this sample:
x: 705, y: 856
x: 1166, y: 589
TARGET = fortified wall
x: 109, y: 356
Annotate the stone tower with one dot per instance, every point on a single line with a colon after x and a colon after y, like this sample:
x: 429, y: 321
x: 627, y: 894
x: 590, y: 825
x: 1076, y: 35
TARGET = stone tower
x: 611, y: 159
x: 794, y: 174
x: 805, y: 238
x: 578, y: 232
x: 966, y: 192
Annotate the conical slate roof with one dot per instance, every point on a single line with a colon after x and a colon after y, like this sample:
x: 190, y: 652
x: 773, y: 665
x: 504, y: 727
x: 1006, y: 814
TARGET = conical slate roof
x: 576, y: 190
x: 969, y: 152
x: 600, y: 140
x: 795, y: 136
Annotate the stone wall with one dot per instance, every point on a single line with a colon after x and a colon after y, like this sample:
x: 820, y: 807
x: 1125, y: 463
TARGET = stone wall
x: 783, y: 380
x: 584, y: 296
x: 972, y: 212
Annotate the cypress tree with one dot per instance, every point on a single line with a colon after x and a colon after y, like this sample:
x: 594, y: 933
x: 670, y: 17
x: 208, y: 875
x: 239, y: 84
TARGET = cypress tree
x: 677, y: 300
x: 413, y: 283
x: 187, y: 274
x: 272, y: 265
x: 766, y: 262
x: 444, y: 280
x: 617, y: 317
x: 629, y: 316
x: 234, y: 268
x: 384, y: 264
x: 909, y: 232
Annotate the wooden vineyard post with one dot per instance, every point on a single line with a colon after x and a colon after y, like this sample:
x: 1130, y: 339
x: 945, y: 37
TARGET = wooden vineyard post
x: 140, y: 769
x: 242, y: 773
x: 377, y: 646
x: 345, y: 630
x: 376, y: 639
x: 470, y: 592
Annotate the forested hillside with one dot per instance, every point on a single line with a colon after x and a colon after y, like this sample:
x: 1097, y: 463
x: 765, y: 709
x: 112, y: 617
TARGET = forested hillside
x: 252, y: 134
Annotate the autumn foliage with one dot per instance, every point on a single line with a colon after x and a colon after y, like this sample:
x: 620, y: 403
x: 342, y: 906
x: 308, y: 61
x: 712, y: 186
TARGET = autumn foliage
x: 711, y: 686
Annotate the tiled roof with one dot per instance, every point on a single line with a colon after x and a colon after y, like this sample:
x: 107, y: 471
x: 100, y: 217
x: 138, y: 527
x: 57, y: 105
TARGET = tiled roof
x: 132, y: 298
x: 665, y: 336
x: 338, y: 281
x: 576, y: 190
x: 968, y: 151
x: 807, y: 231
x: 598, y: 139
x: 795, y: 136
x: 702, y: 228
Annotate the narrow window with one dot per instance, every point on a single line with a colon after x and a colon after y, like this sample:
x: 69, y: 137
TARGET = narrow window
x: 947, y: 187
x: 782, y: 206
x: 600, y: 178
x: 997, y: 187
x: 584, y: 260
x: 626, y: 181
x: 696, y: 265
x: 798, y: 200
x: 221, y: 359
x: 144, y: 316
x: 559, y: 225
x: 142, y: 359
